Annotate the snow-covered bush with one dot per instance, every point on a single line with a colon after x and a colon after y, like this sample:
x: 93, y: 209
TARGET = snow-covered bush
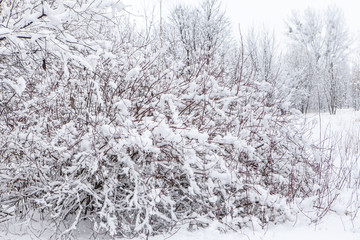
x: 133, y: 139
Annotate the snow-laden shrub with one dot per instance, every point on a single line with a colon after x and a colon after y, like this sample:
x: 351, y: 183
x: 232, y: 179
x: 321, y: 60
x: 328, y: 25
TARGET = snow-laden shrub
x: 131, y: 140
x: 137, y: 152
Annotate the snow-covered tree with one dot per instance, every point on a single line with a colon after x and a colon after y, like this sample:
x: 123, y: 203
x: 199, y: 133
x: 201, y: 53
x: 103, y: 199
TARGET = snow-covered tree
x: 318, y: 52
x: 355, y: 85
x: 198, y: 33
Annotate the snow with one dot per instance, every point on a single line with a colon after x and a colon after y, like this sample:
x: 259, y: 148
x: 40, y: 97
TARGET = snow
x: 132, y: 74
x: 19, y: 86
x: 340, y: 223
x: 345, y: 123
x: 332, y: 228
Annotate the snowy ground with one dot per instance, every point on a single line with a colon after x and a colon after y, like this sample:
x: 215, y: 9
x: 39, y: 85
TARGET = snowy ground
x: 333, y: 227
x: 341, y: 131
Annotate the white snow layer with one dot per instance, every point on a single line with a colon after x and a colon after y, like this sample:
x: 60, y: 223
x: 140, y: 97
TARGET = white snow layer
x: 339, y: 223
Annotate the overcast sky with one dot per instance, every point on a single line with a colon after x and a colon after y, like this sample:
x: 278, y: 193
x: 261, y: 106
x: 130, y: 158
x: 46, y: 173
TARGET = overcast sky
x: 270, y: 13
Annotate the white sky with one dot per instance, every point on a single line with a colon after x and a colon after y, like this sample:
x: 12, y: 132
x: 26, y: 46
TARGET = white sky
x: 258, y: 13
